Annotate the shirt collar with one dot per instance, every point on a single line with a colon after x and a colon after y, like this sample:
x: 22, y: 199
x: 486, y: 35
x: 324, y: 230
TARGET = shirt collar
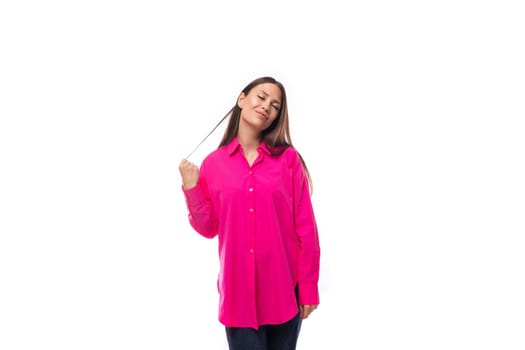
x: 234, y: 145
x: 264, y: 148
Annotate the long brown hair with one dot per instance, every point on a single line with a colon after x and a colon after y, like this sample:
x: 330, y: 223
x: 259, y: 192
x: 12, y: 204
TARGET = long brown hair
x: 277, y: 135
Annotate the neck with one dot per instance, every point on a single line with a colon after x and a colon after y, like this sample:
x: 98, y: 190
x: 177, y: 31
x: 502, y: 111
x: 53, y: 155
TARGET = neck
x: 249, y: 139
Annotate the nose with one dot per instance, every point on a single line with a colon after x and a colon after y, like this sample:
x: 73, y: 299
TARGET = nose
x: 266, y: 106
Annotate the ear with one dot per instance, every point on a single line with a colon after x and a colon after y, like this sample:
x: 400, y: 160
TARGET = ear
x: 240, y: 100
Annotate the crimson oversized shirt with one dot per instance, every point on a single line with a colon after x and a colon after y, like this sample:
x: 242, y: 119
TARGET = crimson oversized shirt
x: 268, y: 240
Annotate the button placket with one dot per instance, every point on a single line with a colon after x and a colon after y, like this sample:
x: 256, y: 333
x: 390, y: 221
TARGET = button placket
x: 251, y: 209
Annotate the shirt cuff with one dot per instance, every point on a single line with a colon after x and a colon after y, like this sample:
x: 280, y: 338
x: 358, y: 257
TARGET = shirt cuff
x: 194, y: 196
x: 308, y: 294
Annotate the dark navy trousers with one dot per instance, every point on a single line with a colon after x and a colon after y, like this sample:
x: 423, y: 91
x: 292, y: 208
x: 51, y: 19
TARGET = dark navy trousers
x: 268, y: 337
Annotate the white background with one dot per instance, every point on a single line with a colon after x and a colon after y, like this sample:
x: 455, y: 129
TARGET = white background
x: 409, y: 115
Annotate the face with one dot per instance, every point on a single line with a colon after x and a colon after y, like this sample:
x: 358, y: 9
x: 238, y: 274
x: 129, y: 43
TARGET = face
x: 261, y: 106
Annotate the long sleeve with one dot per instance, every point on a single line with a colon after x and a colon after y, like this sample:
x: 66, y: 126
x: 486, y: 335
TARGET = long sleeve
x: 306, y: 228
x: 201, y: 214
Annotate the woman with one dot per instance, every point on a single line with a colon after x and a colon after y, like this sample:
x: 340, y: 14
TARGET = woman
x: 253, y: 191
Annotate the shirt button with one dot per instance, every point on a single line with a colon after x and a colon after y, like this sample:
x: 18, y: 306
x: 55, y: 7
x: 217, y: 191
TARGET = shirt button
x: 250, y: 189
x: 251, y: 210
x: 251, y: 251
x: 250, y: 172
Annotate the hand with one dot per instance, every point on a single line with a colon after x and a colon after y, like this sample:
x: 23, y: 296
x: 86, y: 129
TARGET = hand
x: 306, y: 310
x: 189, y: 173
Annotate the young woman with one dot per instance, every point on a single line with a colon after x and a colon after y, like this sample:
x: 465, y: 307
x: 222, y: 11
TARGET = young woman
x: 253, y: 191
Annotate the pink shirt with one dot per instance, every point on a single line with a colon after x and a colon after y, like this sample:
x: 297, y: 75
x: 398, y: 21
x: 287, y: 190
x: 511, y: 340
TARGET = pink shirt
x: 268, y: 239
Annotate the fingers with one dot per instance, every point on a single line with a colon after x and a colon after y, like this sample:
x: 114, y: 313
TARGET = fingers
x: 306, y: 310
x: 186, y: 164
x: 186, y: 167
x: 189, y: 173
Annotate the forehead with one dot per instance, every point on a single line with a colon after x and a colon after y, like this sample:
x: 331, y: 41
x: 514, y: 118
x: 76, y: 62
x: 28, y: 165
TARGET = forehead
x: 269, y: 89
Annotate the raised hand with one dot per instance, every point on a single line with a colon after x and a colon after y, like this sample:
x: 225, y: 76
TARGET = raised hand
x: 189, y: 173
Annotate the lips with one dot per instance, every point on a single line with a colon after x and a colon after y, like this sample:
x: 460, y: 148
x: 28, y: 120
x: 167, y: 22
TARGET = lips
x: 262, y: 115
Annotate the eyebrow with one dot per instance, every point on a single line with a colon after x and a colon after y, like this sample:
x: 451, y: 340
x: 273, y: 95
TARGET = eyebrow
x: 264, y: 92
